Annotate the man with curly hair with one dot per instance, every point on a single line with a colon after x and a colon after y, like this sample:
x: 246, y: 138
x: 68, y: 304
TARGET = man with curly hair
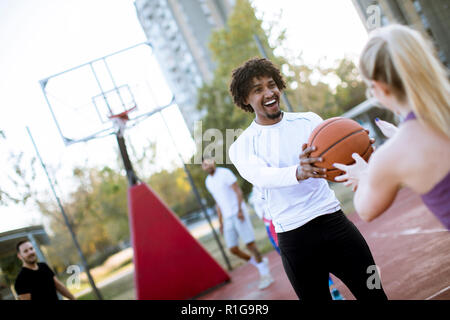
x: 314, y: 235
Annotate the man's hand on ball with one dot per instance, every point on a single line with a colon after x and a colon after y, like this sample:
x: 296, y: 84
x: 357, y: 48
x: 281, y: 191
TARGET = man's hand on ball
x: 353, y: 173
x: 306, y: 168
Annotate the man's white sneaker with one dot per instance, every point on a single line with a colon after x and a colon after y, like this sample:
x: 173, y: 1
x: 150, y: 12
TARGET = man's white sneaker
x: 265, y: 282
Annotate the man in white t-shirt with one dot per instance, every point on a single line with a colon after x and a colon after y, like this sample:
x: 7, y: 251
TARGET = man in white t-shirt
x: 234, y: 218
x: 314, y: 235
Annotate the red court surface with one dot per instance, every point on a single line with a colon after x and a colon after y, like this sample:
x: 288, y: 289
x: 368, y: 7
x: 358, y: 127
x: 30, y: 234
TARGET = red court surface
x: 409, y: 245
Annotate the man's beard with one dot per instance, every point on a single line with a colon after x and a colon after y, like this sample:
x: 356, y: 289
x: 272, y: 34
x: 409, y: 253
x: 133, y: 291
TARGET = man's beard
x: 31, y: 260
x: 274, y: 115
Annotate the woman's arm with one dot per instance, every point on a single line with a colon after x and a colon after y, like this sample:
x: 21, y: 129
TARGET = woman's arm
x: 376, y: 183
x: 377, y: 188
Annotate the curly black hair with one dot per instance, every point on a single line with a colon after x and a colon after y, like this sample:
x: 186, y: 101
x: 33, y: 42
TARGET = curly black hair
x: 242, y: 78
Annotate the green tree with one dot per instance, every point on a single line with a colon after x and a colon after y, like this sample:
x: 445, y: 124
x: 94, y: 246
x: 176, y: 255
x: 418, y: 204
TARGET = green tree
x: 351, y: 90
x: 174, y: 189
x: 10, y: 267
x: 97, y: 212
x: 307, y: 88
x: 308, y: 95
x: 18, y: 176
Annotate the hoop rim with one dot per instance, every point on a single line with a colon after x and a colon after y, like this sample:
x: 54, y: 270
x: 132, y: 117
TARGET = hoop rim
x: 123, y: 115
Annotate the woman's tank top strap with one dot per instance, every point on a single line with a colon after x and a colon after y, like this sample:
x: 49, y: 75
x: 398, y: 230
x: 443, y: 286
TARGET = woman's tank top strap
x: 410, y: 116
x: 438, y: 200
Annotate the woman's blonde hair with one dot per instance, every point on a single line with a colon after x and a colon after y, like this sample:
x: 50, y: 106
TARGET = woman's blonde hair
x: 403, y: 59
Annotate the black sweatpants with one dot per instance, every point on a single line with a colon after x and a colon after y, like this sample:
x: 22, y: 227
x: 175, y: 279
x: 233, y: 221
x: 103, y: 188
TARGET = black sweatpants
x: 328, y: 244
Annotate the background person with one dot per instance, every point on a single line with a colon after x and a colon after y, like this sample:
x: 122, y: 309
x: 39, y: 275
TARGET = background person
x: 234, y: 220
x: 36, y: 281
x: 407, y: 78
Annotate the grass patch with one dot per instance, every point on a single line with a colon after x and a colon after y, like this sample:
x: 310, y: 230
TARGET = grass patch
x: 84, y: 285
x: 121, y: 289
x: 345, y: 197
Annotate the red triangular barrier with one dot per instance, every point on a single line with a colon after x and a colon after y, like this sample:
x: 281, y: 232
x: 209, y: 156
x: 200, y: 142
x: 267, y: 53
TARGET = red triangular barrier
x: 169, y: 264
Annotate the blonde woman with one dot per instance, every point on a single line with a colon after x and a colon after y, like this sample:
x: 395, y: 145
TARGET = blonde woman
x: 403, y: 73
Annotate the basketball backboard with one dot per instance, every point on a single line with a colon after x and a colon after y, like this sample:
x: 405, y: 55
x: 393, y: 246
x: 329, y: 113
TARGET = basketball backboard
x: 83, y: 99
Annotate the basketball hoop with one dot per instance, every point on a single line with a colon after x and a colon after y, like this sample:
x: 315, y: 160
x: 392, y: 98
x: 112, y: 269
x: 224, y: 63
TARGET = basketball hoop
x: 120, y: 120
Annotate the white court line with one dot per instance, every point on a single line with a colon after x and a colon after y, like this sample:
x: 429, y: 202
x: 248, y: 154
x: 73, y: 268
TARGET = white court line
x: 407, y: 232
x: 437, y: 293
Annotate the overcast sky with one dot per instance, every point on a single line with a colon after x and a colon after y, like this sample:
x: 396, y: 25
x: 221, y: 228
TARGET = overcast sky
x: 41, y: 38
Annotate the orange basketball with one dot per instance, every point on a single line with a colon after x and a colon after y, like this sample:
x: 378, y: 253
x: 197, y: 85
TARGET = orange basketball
x: 336, y: 139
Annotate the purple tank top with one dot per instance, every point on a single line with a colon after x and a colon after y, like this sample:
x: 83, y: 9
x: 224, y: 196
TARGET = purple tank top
x: 438, y: 198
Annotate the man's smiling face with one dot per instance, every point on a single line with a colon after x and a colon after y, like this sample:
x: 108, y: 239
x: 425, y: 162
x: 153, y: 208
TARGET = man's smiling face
x: 264, y: 97
x: 27, y: 253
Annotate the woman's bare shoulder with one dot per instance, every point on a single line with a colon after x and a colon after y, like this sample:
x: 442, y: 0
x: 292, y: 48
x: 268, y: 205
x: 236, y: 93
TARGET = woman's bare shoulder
x: 395, y: 154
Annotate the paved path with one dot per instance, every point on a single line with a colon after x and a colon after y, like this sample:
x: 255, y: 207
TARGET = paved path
x: 245, y: 280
